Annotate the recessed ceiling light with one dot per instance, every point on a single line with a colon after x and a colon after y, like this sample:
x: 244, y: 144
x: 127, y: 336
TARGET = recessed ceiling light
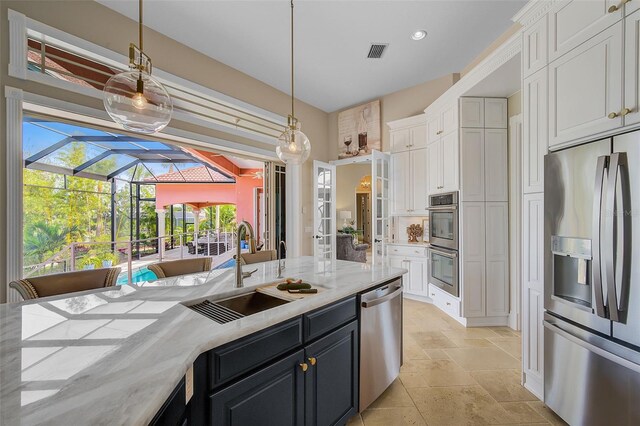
x: 418, y: 35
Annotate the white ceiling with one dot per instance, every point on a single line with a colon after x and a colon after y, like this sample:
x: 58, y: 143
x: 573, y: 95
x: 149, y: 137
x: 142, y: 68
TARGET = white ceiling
x: 332, y: 40
x: 245, y: 163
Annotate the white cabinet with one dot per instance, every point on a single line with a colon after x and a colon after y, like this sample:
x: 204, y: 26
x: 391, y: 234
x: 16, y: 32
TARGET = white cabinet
x: 534, y: 47
x: 400, y: 140
x: 417, y: 276
x: 418, y: 181
x: 471, y: 112
x: 495, y: 113
x: 535, y: 131
x: 497, y: 258
x: 472, y: 164
x: 585, y: 88
x: 433, y: 128
x: 442, y: 160
x: 449, y: 119
x: 444, y: 301
x: 434, y: 167
x: 575, y: 21
x: 631, y: 68
x: 415, y: 259
x: 496, y: 165
x: 400, y: 178
x: 417, y: 137
x: 473, y: 289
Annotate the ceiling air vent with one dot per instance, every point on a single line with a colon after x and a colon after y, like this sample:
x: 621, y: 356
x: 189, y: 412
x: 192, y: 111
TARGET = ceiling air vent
x: 376, y: 50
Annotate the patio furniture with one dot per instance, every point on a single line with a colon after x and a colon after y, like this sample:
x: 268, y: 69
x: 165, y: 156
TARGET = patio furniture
x: 192, y: 248
x: 67, y: 282
x: 347, y: 250
x: 258, y: 257
x: 215, y: 248
x: 175, y: 268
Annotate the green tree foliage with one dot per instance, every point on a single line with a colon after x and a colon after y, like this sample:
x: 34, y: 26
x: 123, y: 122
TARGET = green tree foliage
x: 42, y: 239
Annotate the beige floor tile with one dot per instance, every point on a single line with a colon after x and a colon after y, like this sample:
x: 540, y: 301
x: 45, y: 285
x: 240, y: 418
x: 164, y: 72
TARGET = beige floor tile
x: 436, y: 354
x: 456, y: 406
x: 483, y: 359
x: 395, y: 396
x: 511, y: 345
x: 470, y: 333
x: 432, y: 340
x: 355, y: 421
x: 438, y: 372
x: 504, y: 331
x: 392, y: 417
x: 412, y: 350
x: 547, y: 413
x: 503, y: 385
x: 471, y: 343
x: 520, y: 412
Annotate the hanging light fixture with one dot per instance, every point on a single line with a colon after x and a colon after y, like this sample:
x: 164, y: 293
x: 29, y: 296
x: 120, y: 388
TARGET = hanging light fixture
x: 293, y: 145
x: 134, y: 99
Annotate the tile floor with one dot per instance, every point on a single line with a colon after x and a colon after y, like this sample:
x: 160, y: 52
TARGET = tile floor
x: 456, y: 376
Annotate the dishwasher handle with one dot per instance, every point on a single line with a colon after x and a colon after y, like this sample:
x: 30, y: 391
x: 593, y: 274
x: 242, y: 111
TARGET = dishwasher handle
x: 374, y: 302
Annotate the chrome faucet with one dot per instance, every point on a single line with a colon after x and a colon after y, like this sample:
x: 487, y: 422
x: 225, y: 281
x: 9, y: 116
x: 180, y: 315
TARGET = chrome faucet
x: 281, y: 262
x: 249, y: 229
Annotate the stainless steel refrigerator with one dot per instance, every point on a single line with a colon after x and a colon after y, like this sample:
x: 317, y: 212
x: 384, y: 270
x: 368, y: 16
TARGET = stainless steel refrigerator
x: 592, y: 282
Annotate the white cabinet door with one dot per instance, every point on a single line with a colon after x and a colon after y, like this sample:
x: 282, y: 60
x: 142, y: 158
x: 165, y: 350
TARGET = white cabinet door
x: 471, y: 112
x: 497, y: 258
x: 533, y: 291
x: 534, y: 47
x: 632, y: 68
x: 417, y: 277
x: 473, y: 259
x: 449, y: 162
x: 535, y: 131
x: 472, y: 163
x: 585, y: 88
x: 573, y: 22
x: 400, y: 166
x: 434, y: 166
x: 496, y: 165
x: 449, y: 119
x: 418, y: 137
x: 419, y: 181
x: 495, y: 113
x: 400, y: 140
x: 433, y: 128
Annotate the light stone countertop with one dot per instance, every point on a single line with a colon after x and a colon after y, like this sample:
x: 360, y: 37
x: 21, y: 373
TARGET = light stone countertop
x: 113, y: 356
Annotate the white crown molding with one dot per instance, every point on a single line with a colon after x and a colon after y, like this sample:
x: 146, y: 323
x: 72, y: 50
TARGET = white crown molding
x: 416, y: 120
x: 505, y: 52
x: 532, y: 11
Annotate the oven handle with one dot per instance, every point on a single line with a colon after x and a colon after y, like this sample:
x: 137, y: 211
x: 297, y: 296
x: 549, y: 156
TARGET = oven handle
x: 450, y: 207
x: 451, y: 255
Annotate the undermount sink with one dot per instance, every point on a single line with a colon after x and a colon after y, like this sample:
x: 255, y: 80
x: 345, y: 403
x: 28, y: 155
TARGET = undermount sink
x: 251, y: 303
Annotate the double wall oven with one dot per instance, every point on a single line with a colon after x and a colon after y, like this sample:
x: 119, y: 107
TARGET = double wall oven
x: 443, y: 239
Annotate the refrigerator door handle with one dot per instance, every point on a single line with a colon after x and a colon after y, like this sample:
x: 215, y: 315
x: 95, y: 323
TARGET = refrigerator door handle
x: 618, y: 170
x: 601, y: 168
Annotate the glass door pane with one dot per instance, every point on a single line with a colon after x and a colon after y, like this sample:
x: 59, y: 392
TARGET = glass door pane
x: 324, y: 219
x: 380, y: 204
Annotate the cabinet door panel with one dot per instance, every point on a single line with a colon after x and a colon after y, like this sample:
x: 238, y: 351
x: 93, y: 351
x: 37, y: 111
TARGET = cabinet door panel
x: 400, y: 164
x: 496, y: 169
x: 433, y: 128
x: 535, y: 131
x: 585, y: 86
x: 272, y: 396
x: 331, y: 385
x: 400, y: 140
x: 419, y: 181
x: 472, y: 164
x: 417, y: 276
x: 495, y: 113
x: 473, y: 259
x: 472, y: 112
x: 449, y: 118
x: 632, y: 68
x: 449, y: 163
x: 497, y: 258
x: 418, y: 137
x: 434, y: 159
x: 576, y: 21
x: 534, y: 47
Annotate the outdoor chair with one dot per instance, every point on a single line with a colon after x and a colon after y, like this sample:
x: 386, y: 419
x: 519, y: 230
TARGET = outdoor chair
x: 175, y: 268
x: 258, y: 257
x: 67, y: 282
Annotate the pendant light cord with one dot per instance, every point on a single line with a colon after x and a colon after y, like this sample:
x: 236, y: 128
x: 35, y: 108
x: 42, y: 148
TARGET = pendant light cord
x: 292, y: 75
x: 140, y: 25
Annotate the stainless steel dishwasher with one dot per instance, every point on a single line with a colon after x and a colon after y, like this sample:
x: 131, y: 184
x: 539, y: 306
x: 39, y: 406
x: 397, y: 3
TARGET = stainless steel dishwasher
x: 380, y: 340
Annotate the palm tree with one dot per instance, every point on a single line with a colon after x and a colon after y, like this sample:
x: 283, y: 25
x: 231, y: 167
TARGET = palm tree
x: 42, y: 239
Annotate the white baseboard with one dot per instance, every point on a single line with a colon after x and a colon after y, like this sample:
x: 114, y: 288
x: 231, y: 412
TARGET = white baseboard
x: 534, y: 385
x: 417, y: 298
x: 513, y: 321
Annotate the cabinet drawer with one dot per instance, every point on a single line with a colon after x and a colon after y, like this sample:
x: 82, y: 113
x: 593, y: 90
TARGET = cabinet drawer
x: 444, y: 301
x: 244, y: 355
x: 319, y: 322
x: 407, y: 251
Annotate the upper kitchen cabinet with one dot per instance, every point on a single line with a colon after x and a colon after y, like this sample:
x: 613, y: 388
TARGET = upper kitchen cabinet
x: 585, y: 88
x: 631, y: 68
x: 400, y: 140
x: 496, y: 165
x: 472, y: 112
x: 573, y: 22
x: 495, y: 113
x: 417, y: 137
x: 408, y: 133
x: 442, y: 123
x: 534, y: 47
x: 535, y: 131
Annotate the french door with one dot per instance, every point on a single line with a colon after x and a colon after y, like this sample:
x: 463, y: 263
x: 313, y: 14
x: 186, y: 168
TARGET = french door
x: 380, y: 204
x: 324, y: 216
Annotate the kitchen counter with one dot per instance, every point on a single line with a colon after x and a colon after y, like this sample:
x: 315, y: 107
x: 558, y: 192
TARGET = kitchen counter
x: 113, y: 356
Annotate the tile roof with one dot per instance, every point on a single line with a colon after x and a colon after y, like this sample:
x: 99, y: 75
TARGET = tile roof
x: 193, y: 174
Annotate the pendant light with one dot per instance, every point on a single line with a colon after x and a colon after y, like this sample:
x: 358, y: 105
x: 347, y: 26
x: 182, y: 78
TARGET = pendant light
x: 293, y: 145
x: 134, y: 99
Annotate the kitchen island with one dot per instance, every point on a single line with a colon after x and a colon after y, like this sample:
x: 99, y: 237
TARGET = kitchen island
x: 115, y: 356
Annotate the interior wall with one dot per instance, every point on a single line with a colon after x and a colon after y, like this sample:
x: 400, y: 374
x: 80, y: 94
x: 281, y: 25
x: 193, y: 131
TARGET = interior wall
x: 397, y: 105
x: 348, y: 178
x: 93, y: 22
x: 514, y: 104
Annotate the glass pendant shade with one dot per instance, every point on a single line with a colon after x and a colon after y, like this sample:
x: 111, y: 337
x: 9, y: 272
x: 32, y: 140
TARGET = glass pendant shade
x: 293, y: 145
x: 138, y: 102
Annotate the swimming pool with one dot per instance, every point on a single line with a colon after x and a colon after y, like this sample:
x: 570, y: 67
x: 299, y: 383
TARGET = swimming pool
x: 142, y: 274
x: 228, y: 264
